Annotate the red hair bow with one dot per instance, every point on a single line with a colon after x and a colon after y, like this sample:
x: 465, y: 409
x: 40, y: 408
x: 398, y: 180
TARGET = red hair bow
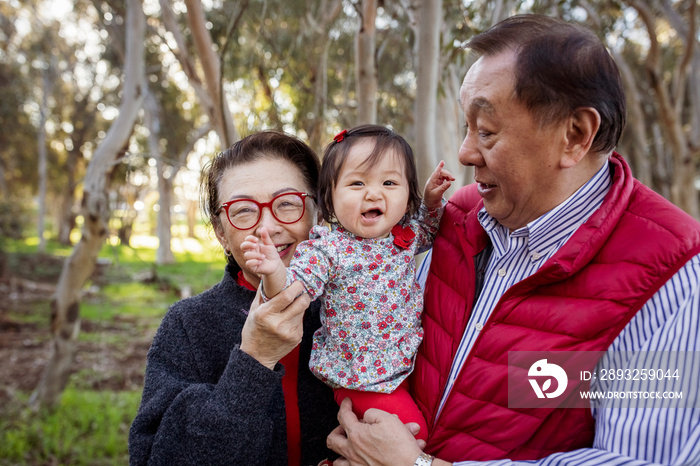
x: 340, y: 136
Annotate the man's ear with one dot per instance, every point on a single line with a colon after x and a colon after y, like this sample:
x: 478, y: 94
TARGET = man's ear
x: 582, y: 127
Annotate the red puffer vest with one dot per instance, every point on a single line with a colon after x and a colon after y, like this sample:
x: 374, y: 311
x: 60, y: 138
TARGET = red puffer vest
x: 579, y: 300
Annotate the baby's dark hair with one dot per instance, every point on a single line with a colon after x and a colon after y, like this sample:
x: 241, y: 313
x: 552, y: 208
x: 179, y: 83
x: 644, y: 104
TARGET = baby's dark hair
x: 336, y: 153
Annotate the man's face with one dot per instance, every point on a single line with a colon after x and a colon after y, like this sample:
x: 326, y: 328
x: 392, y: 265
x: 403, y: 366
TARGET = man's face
x: 516, y: 162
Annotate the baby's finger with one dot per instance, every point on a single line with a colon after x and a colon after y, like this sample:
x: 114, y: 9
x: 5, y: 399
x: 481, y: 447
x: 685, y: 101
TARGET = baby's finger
x: 249, y: 246
x: 437, y: 173
x: 252, y: 264
x: 254, y: 254
x: 446, y: 175
x: 265, y: 237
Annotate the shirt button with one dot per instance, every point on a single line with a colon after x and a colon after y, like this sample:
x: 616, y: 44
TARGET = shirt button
x: 478, y: 326
x: 501, y: 272
x: 535, y: 256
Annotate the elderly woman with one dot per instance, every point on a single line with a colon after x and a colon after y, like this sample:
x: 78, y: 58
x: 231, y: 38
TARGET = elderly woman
x: 227, y: 377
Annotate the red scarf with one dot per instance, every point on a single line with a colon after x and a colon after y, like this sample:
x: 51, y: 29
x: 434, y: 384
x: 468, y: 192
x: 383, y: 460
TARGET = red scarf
x: 291, y: 398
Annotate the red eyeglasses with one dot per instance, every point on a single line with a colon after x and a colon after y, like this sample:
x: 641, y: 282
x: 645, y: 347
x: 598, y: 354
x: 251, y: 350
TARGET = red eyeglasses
x: 244, y: 214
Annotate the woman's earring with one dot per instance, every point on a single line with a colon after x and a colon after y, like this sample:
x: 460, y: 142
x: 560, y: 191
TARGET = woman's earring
x: 227, y: 253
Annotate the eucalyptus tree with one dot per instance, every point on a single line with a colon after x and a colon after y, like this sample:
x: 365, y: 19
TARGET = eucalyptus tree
x: 174, y: 121
x: 426, y: 100
x: 279, y: 72
x: 26, y: 56
x: 201, y: 61
x: 316, y: 25
x: 18, y: 134
x: 65, y: 306
x: 656, y: 47
x: 47, y: 58
x: 669, y: 61
x: 365, y: 65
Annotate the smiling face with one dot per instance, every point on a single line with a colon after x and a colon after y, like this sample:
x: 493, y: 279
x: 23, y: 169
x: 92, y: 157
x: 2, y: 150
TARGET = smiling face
x: 517, y: 162
x: 262, y: 180
x: 369, y: 201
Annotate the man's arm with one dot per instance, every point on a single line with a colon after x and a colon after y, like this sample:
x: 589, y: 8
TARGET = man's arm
x: 669, y: 321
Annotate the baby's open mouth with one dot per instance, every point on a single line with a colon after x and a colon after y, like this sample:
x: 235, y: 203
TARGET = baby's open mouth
x: 373, y: 213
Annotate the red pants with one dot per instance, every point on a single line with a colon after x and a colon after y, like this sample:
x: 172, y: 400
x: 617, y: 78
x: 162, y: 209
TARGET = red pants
x: 398, y: 402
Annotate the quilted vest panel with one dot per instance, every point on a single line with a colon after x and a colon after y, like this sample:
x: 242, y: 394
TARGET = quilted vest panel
x: 579, y: 300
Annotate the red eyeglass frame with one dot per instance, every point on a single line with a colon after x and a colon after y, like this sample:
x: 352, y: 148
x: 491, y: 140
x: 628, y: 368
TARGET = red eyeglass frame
x: 261, y: 205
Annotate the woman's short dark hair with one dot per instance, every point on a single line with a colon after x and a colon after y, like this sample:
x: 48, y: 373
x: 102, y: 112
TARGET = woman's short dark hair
x: 274, y: 145
x: 560, y: 67
x: 336, y: 153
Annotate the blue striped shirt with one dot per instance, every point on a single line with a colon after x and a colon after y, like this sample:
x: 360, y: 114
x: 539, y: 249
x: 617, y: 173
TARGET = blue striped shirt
x: 669, y: 321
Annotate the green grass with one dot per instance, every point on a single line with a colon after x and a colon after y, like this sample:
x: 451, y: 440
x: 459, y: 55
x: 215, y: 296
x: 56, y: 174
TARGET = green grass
x: 127, y: 299
x: 198, y: 269
x: 123, y: 303
x: 87, y: 427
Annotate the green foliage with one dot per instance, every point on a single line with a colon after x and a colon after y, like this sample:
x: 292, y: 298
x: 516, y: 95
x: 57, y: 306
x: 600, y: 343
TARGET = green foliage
x: 13, y: 218
x: 88, y: 427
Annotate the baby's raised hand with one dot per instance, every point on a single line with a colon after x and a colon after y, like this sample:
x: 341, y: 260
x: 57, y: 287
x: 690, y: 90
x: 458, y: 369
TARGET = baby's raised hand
x: 260, y: 254
x: 439, y: 182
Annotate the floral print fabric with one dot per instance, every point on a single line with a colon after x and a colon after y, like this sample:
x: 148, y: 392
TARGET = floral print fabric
x: 372, y: 305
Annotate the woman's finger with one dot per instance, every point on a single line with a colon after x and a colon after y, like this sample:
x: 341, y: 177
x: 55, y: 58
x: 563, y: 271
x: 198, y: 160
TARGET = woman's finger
x: 294, y: 300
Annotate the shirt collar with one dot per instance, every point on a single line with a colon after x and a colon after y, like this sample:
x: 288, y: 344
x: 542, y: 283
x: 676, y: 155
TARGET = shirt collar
x: 558, y: 224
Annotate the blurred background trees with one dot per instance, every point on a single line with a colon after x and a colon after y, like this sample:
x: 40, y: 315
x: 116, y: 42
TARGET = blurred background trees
x: 215, y: 70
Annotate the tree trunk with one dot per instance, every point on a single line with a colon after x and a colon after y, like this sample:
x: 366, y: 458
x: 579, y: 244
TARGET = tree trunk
x: 635, y: 131
x: 449, y: 127
x: 365, y: 66
x: 43, y: 156
x: 192, y: 207
x: 66, y: 214
x: 81, y: 129
x: 683, y: 191
x: 4, y: 191
x: 322, y: 43
x: 65, y: 307
x: 184, y: 58
x: 223, y: 121
x: 427, y: 88
x: 164, y: 254
x: 664, y: 162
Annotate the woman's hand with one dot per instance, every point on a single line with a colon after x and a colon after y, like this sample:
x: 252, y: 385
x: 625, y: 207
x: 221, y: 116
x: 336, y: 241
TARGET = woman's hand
x: 379, y: 439
x: 275, y: 328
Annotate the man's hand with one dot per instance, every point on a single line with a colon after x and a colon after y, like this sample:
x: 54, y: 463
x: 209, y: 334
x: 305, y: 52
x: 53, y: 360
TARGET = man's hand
x: 439, y: 182
x: 379, y: 439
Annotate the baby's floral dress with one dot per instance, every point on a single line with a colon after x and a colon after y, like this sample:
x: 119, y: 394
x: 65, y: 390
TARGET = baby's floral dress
x: 372, y: 304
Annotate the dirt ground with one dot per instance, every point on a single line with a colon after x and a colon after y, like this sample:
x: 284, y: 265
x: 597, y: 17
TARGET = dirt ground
x: 112, y: 358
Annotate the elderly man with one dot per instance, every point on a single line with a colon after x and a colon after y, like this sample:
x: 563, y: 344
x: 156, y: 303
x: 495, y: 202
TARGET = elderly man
x: 556, y: 247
